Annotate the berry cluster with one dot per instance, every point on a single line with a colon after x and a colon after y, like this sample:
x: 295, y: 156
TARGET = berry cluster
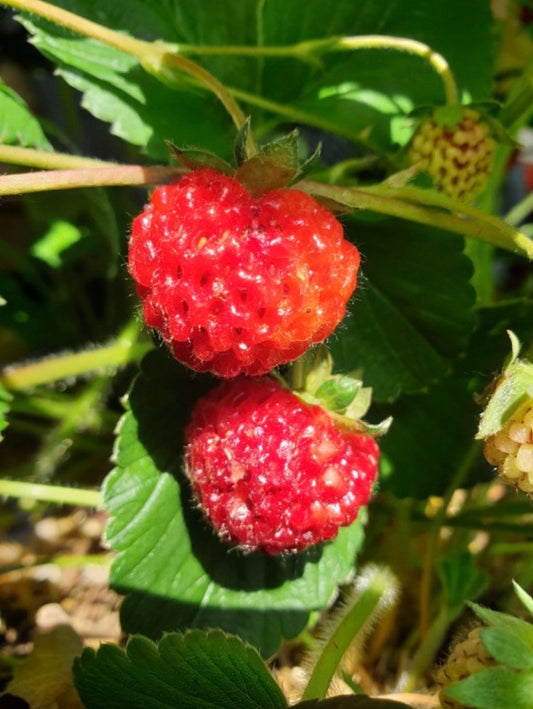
x: 458, y: 158
x: 511, y: 449
x: 237, y: 285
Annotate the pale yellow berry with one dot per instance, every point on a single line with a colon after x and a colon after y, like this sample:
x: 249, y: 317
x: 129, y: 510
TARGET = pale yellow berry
x: 458, y: 158
x: 511, y: 449
x: 466, y: 658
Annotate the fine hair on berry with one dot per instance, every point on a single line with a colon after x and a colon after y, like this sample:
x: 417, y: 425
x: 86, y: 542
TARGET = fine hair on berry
x: 237, y: 285
x: 273, y: 473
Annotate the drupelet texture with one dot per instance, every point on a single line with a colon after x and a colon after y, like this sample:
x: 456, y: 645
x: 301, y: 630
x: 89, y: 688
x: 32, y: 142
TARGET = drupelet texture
x: 236, y: 285
x: 273, y: 473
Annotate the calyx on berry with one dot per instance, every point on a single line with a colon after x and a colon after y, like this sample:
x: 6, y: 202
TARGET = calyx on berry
x: 235, y: 279
x: 506, y: 424
x: 343, y: 395
x: 276, y: 165
x: 276, y: 472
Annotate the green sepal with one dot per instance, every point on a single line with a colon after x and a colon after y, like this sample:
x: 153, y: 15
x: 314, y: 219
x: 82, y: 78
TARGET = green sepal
x: 197, y: 158
x: 312, y: 369
x: 274, y: 167
x: 449, y: 115
x: 524, y: 597
x: 422, y: 112
x: 337, y: 393
x: 310, y: 163
x: 513, y: 388
x: 240, y: 148
x: 374, y: 429
x: 494, y: 688
x: 488, y: 106
x: 311, y: 378
x: 497, y: 129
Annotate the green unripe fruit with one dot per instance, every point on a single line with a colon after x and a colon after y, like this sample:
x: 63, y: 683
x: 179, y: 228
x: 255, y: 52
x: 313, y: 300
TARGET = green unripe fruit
x: 459, y: 158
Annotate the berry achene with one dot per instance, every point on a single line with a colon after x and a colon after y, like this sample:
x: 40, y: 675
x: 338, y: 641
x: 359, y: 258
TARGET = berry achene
x: 235, y: 284
x: 273, y: 473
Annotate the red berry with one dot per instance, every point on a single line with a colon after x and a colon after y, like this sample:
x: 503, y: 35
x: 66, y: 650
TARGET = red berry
x: 237, y: 285
x: 273, y: 473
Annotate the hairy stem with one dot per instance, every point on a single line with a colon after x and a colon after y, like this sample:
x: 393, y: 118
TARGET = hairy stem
x: 120, y: 175
x: 434, y: 534
x: 51, y: 493
x: 358, y: 613
x: 62, y: 366
x: 14, y: 155
x: 429, y: 210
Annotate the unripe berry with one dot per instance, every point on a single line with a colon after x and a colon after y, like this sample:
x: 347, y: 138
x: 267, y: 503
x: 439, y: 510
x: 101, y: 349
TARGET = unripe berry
x: 467, y: 657
x: 511, y: 449
x: 458, y: 158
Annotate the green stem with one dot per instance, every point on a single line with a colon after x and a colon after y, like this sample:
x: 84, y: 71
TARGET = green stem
x: 62, y: 438
x: 386, y: 200
x: 62, y: 366
x: 520, y: 211
x: 309, y: 49
x: 51, y: 493
x: 15, y: 155
x: 295, y: 115
x: 45, y: 407
x: 358, y: 613
x: 87, y: 443
x: 428, y: 649
x: 434, y: 535
x: 120, y: 175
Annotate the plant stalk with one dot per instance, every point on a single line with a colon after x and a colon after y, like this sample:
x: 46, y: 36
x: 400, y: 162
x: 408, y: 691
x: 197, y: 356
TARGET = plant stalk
x: 434, y: 534
x: 15, y: 155
x: 121, y: 175
x: 51, y: 493
x: 309, y: 49
x: 384, y: 200
x: 71, y: 364
x: 358, y: 614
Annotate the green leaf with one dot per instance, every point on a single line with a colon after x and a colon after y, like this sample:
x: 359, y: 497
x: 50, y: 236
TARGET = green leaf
x: 5, y: 399
x: 509, y: 649
x: 408, y: 316
x: 350, y: 702
x: 494, y: 688
x: 192, y: 671
x: 461, y: 579
x: 515, y: 386
x: 117, y: 90
x: 508, y: 623
x: 526, y: 599
x: 359, y: 93
x: 52, y: 245
x: 175, y: 567
x: 366, y: 94
x: 429, y: 438
x: 18, y: 124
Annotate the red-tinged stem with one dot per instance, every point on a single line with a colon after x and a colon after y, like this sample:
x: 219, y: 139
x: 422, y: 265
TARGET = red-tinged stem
x: 121, y: 175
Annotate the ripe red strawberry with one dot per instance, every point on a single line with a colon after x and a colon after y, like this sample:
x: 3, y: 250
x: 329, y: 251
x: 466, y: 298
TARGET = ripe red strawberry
x: 235, y: 284
x: 273, y: 473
